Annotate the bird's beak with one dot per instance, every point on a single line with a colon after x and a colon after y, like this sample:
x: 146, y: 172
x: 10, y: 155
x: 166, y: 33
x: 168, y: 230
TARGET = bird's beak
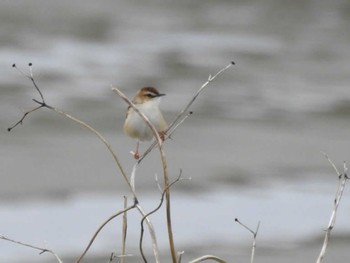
x: 161, y: 94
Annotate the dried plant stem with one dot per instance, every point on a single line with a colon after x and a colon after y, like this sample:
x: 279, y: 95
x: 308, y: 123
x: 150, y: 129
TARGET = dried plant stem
x: 208, y: 257
x: 183, y: 114
x: 165, y: 170
x: 101, y: 138
x: 254, y: 233
x: 152, y: 233
x: 152, y: 212
x: 342, y: 179
x: 167, y: 135
x: 210, y: 79
x: 124, y: 231
x: 43, y: 104
x: 43, y: 250
x: 101, y: 227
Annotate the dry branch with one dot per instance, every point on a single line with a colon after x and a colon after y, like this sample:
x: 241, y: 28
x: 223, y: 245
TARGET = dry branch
x: 184, y: 114
x: 342, y: 179
x: 43, y: 250
x: 152, y: 212
x: 101, y: 227
x: 254, y: 233
x: 124, y: 230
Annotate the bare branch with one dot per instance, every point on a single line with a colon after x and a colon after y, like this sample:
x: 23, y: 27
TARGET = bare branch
x: 124, y: 230
x: 66, y: 115
x: 31, y: 77
x: 167, y: 135
x: 332, y: 164
x: 23, y: 117
x: 184, y: 114
x: 342, y: 179
x: 254, y: 233
x: 210, y: 79
x: 43, y: 250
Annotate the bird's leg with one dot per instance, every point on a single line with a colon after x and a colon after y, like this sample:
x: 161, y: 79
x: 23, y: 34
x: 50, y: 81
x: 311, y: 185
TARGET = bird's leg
x: 162, y: 135
x: 136, y: 153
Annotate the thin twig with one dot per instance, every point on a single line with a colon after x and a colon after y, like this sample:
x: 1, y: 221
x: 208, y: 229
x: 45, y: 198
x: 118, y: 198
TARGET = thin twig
x: 342, y: 179
x: 23, y: 117
x: 124, y: 230
x: 152, y: 234
x: 183, y: 114
x: 31, y: 77
x: 165, y: 170
x: 254, y: 233
x: 210, y: 79
x: 42, y: 104
x: 208, y: 257
x: 111, y: 258
x: 179, y: 256
x: 43, y: 250
x: 152, y: 212
x: 104, y: 141
x: 101, y: 227
x: 167, y: 135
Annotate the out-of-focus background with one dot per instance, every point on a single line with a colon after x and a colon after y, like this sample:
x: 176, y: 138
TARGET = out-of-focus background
x: 252, y: 147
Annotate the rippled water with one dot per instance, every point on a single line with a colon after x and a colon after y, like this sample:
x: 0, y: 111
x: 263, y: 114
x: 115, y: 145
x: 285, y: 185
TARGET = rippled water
x: 259, y: 127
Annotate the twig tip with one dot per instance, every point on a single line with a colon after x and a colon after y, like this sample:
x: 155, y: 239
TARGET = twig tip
x: 30, y: 64
x: 13, y: 65
x: 233, y: 63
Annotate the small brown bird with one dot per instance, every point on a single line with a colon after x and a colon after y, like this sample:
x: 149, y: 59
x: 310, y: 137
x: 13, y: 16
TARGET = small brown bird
x: 147, y: 101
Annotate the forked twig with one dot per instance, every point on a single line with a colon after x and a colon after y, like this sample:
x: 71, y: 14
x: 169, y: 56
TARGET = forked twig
x: 254, y: 233
x: 342, y: 179
x: 43, y: 104
x: 184, y: 114
x: 43, y: 250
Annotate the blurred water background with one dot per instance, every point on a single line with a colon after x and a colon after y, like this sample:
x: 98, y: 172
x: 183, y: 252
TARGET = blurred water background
x: 252, y: 147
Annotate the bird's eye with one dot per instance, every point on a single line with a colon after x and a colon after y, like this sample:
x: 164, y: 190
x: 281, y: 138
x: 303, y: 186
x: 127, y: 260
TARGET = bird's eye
x: 149, y: 95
